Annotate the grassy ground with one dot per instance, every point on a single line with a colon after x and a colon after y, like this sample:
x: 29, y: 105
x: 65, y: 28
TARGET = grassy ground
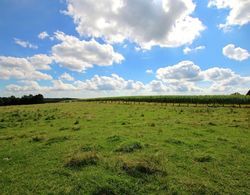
x: 95, y: 148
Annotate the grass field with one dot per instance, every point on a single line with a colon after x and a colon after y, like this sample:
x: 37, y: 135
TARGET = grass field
x: 97, y: 148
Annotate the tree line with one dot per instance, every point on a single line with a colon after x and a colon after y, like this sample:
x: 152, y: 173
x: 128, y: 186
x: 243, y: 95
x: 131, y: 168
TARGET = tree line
x: 26, y: 99
x: 214, y: 99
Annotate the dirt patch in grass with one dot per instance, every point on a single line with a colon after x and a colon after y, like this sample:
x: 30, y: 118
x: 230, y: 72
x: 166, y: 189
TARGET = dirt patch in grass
x: 80, y: 160
x: 129, y: 147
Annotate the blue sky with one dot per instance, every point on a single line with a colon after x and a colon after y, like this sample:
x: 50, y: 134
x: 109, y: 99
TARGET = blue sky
x: 112, y: 48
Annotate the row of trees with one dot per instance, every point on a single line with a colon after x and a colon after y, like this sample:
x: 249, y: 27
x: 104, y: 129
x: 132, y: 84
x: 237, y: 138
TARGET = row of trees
x: 229, y: 99
x: 26, y: 99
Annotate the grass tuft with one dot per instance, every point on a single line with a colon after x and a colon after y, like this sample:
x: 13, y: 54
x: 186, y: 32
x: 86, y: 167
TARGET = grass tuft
x: 37, y: 139
x: 203, y: 159
x: 211, y: 124
x: 76, y: 128
x: 140, y: 168
x: 129, y: 147
x: 57, y: 140
x: 175, y: 141
x: 6, y: 137
x: 104, y: 191
x: 79, y: 160
x: 114, y: 138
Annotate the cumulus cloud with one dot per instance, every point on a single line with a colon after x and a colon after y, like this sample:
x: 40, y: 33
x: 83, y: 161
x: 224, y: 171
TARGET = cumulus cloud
x: 24, y: 68
x: 164, y: 23
x: 182, y: 78
x: 235, y: 53
x: 157, y: 86
x: 185, y: 76
x: 40, y: 61
x: 67, y: 77
x: 25, y: 44
x: 108, y: 83
x: 218, y: 74
x: 188, y: 50
x: 27, y: 86
x: 43, y: 35
x: 80, y: 55
x: 183, y: 71
x: 97, y: 83
x: 239, y: 13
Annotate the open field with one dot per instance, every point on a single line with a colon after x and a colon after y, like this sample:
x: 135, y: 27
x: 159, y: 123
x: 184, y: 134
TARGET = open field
x: 100, y: 148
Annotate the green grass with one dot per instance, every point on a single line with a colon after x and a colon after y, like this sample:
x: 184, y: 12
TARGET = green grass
x: 97, y: 148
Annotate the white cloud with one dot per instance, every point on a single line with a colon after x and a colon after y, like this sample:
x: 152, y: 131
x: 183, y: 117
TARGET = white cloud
x: 67, y: 77
x: 183, y: 71
x: 25, y: 44
x: 218, y: 74
x: 27, y: 86
x: 80, y: 55
x: 40, y: 61
x: 97, y: 84
x: 59, y: 85
x: 235, y: 53
x: 108, y: 83
x: 239, y: 13
x: 22, y: 68
x: 186, y: 76
x: 165, y: 23
x: 182, y: 78
x: 188, y: 50
x: 43, y: 35
x: 149, y: 71
x: 157, y: 86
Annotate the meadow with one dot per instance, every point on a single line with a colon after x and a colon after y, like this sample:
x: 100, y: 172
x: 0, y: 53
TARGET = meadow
x: 117, y: 148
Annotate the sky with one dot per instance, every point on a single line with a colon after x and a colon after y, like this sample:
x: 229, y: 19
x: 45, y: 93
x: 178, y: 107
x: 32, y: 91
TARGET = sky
x: 86, y: 48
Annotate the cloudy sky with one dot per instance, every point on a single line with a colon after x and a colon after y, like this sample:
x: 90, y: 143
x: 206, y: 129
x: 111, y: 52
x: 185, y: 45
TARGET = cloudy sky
x: 87, y: 48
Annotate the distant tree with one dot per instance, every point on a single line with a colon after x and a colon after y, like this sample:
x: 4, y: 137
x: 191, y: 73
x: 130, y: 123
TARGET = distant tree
x: 248, y: 93
x: 38, y: 99
x: 236, y: 93
x: 26, y: 99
